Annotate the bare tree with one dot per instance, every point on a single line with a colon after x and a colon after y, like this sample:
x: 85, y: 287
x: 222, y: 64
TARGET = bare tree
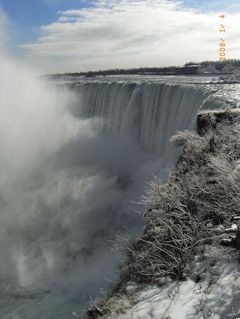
x: 202, y: 192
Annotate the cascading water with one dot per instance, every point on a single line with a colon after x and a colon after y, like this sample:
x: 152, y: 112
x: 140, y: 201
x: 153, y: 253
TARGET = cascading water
x: 150, y: 113
x: 61, y: 212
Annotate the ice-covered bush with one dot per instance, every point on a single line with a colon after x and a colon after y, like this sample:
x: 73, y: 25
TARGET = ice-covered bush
x: 203, y: 191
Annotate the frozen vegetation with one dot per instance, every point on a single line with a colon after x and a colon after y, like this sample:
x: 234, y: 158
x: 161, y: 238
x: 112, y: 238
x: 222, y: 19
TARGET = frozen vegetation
x: 179, y: 267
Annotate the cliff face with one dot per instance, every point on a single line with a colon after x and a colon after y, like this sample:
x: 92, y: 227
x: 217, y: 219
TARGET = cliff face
x: 178, y: 267
x: 209, y: 120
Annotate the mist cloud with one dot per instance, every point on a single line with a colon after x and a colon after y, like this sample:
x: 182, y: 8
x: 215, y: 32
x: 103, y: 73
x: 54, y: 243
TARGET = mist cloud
x: 64, y: 195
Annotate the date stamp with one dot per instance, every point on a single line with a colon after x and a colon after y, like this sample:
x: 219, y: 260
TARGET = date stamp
x: 222, y: 43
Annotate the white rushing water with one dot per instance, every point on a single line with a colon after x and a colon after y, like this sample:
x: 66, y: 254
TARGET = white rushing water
x: 149, y: 112
x: 72, y: 163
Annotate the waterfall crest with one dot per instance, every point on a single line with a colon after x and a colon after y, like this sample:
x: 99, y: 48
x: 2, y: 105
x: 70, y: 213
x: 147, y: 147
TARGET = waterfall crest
x: 151, y: 112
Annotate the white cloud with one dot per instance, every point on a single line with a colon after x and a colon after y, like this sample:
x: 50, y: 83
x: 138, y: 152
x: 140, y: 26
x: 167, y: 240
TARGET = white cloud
x: 130, y: 33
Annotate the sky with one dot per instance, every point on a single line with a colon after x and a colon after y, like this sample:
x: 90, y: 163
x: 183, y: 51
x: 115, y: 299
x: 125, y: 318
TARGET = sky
x: 81, y: 35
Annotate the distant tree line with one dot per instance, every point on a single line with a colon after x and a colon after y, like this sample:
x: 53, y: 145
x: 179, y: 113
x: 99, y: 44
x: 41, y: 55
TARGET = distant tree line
x: 190, y: 68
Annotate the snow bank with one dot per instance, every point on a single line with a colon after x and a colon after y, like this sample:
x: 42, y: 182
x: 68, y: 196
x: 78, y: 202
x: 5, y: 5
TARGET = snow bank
x: 211, y: 291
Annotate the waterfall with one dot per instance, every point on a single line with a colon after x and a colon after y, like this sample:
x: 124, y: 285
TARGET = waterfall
x: 149, y: 112
x: 64, y: 203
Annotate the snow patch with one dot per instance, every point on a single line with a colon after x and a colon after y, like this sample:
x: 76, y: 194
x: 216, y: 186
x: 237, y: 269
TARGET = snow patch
x: 214, y: 295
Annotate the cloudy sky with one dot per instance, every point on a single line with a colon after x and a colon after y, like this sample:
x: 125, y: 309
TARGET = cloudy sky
x: 80, y: 35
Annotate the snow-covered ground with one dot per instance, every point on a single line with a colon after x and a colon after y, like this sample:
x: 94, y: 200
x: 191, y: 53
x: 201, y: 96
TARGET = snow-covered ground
x: 212, y: 291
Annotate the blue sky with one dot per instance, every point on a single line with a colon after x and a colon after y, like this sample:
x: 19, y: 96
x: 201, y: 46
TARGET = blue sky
x: 214, y: 5
x: 27, y: 16
x: 68, y: 35
x: 34, y: 13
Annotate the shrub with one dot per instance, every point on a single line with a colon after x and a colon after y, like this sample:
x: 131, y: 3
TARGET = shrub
x: 203, y: 189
